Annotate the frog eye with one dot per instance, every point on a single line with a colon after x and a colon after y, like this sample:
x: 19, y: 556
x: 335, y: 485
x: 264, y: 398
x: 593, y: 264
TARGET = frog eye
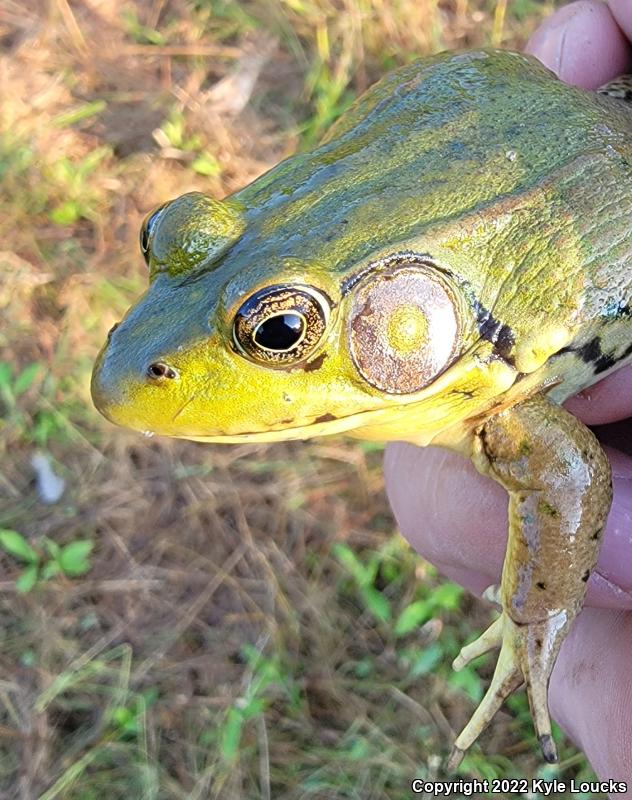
x: 147, y: 230
x: 404, y: 328
x: 281, y: 325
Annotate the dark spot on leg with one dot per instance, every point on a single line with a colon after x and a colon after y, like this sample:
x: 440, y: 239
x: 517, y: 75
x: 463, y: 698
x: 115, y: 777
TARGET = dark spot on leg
x: 604, y: 363
x: 538, y: 643
x: 591, y: 351
x: 547, y: 508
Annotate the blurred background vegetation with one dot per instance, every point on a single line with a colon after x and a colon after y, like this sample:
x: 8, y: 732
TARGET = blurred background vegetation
x: 189, y: 621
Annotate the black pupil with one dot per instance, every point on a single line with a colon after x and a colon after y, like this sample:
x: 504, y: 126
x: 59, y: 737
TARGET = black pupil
x: 280, y: 332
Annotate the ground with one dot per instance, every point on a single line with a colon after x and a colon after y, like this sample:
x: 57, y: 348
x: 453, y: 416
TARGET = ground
x: 193, y: 621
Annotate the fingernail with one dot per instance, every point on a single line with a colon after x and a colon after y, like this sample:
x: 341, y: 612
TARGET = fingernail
x: 547, y: 43
x: 582, y: 44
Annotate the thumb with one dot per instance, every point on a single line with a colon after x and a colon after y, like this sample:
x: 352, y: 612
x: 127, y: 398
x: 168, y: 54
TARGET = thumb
x: 591, y: 692
x: 583, y: 44
x: 457, y: 519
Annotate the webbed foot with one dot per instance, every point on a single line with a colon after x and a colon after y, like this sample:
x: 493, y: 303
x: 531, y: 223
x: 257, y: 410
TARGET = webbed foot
x: 527, y: 655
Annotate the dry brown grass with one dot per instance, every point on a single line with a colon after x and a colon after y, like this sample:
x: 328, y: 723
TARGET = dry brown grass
x: 125, y: 682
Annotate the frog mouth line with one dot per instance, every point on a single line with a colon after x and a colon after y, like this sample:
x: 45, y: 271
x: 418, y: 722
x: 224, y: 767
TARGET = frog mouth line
x: 326, y: 424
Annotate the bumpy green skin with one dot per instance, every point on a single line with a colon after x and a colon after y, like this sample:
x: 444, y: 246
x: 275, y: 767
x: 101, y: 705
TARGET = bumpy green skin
x: 477, y: 187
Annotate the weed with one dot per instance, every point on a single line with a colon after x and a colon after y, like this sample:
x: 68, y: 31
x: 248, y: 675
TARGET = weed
x: 47, y: 560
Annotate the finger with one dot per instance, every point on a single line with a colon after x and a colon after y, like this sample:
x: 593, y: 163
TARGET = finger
x: 607, y: 401
x: 622, y: 12
x: 583, y: 44
x: 591, y: 691
x: 457, y: 519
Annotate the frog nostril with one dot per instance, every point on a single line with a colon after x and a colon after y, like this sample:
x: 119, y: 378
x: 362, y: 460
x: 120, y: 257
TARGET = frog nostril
x: 159, y: 370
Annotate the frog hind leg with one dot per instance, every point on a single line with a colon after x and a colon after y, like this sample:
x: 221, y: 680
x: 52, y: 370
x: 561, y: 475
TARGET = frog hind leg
x: 559, y: 484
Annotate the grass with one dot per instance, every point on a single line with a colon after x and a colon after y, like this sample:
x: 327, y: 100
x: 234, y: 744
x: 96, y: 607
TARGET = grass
x: 196, y: 621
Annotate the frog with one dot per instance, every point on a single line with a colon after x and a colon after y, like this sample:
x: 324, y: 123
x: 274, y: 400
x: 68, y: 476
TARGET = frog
x: 445, y: 267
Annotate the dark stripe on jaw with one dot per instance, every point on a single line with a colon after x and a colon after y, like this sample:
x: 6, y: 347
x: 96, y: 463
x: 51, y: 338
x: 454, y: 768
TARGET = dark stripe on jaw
x: 325, y: 418
x: 499, y: 334
x: 316, y: 363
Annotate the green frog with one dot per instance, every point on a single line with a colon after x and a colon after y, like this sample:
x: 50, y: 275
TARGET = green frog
x: 447, y: 267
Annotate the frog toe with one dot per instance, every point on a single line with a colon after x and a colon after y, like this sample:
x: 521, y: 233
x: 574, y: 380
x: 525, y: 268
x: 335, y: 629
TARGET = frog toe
x: 492, y: 595
x: 527, y: 654
x: 507, y: 677
x: 489, y: 640
x: 537, y: 646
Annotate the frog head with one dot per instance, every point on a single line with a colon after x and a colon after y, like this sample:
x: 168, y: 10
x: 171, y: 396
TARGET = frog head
x: 231, y: 343
x: 359, y: 287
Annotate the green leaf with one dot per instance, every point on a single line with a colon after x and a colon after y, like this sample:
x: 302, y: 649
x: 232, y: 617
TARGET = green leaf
x: 376, y: 603
x: 16, y: 545
x: 25, y: 378
x: 206, y: 164
x: 66, y: 213
x: 412, y: 617
x: 256, y: 706
x: 79, y: 113
x: 52, y: 548
x: 50, y: 569
x: 231, y: 734
x: 468, y: 680
x: 352, y: 563
x: 6, y: 374
x: 427, y: 660
x: 73, y: 558
x: 92, y: 160
x: 126, y: 721
x: 363, y: 668
x: 27, y: 579
x: 447, y: 596
x: 122, y: 716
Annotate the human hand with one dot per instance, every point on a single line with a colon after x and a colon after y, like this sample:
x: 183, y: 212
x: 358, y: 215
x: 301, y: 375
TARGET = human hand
x: 465, y: 514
